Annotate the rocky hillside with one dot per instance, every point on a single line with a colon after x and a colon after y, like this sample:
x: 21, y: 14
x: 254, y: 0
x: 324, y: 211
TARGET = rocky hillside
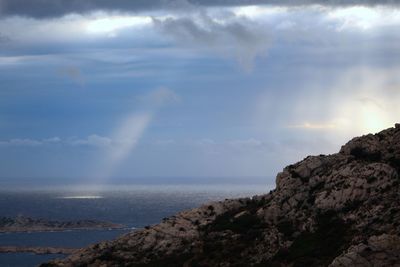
x: 336, y: 210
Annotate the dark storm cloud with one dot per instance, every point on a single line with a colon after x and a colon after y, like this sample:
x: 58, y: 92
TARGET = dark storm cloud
x: 55, y: 8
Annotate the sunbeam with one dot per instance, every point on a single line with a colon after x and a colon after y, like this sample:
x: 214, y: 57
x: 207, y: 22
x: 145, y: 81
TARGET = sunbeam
x: 127, y: 135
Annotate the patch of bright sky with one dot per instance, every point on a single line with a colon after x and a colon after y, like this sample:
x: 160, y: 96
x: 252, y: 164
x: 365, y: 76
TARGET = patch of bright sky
x: 109, y: 24
x: 364, y: 18
x: 360, y: 17
x: 259, y: 11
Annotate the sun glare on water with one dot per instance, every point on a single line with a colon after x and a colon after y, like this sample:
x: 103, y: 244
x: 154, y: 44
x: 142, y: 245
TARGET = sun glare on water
x: 81, y: 197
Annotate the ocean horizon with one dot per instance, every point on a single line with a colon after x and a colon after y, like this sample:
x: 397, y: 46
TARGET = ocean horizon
x: 134, y: 206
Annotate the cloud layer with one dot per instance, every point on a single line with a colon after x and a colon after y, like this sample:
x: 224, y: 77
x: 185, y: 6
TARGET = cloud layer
x: 229, y: 35
x: 56, y: 8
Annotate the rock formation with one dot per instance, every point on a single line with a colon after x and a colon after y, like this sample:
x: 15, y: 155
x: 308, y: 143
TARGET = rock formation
x: 337, y: 210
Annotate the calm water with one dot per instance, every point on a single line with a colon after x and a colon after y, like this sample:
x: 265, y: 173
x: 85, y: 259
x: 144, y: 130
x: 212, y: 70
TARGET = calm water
x: 133, y: 206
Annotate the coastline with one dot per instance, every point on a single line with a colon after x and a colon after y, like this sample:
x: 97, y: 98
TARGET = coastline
x: 37, y: 250
x: 21, y: 224
x: 51, y: 230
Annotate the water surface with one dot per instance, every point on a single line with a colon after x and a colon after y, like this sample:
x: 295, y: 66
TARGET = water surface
x: 134, y: 206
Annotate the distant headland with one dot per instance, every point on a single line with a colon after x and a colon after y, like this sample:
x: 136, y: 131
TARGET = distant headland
x: 28, y: 224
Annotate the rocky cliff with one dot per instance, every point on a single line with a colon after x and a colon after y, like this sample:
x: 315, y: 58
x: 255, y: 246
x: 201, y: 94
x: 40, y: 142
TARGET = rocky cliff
x: 337, y: 210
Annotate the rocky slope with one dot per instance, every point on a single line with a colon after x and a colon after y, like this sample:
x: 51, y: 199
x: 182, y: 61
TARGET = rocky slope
x: 27, y: 224
x: 336, y: 210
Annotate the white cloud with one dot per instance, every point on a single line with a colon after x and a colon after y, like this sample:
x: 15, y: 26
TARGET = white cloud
x: 52, y: 140
x: 313, y: 126
x: 93, y: 140
x: 159, y: 97
x: 21, y: 142
x: 362, y: 17
x: 29, y: 142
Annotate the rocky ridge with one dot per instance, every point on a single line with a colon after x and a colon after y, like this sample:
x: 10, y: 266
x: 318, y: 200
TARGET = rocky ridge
x: 336, y: 210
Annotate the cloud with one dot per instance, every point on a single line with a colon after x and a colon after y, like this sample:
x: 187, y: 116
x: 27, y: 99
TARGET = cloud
x: 52, y: 140
x: 28, y: 142
x: 21, y: 142
x: 313, y: 126
x: 243, y: 33
x: 92, y: 140
x: 228, y: 34
x: 56, y: 8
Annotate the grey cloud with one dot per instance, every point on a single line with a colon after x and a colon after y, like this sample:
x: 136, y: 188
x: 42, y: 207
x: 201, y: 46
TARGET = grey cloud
x: 27, y: 142
x: 55, y: 8
x: 236, y: 37
x: 21, y: 142
x: 91, y: 141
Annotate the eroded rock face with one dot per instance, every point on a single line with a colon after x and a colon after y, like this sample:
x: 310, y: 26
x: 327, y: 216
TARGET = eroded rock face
x: 336, y: 210
x: 382, y: 250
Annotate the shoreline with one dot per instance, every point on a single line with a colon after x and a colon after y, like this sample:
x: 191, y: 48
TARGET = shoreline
x: 21, y: 224
x: 37, y: 250
x: 26, y: 231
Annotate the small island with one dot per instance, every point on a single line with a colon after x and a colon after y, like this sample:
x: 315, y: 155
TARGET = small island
x: 37, y: 250
x: 27, y: 224
x: 21, y: 224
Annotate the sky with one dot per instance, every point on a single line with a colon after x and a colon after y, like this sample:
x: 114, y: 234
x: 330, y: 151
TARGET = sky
x: 164, y: 91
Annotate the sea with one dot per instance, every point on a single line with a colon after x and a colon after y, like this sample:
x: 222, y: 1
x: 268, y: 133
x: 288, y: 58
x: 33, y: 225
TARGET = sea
x: 134, y: 206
